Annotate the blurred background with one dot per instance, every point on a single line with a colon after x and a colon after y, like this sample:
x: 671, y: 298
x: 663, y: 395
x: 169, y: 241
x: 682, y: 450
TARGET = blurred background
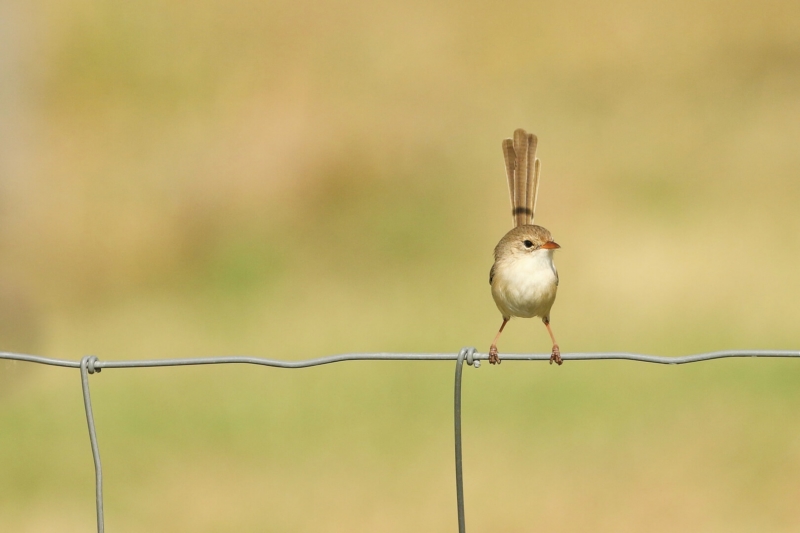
x: 299, y: 179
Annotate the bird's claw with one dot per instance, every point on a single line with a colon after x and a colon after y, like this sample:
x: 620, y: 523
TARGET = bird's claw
x: 555, y: 355
x: 494, y: 358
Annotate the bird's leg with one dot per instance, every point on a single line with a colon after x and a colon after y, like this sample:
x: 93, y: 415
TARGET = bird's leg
x: 555, y: 355
x: 494, y: 359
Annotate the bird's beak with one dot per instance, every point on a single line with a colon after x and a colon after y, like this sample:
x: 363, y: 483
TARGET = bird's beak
x: 550, y: 245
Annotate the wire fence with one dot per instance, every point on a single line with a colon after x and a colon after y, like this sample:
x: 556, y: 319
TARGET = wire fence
x: 90, y: 364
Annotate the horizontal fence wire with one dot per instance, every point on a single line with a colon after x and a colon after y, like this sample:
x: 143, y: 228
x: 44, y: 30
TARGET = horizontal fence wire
x: 387, y: 356
x: 91, y: 364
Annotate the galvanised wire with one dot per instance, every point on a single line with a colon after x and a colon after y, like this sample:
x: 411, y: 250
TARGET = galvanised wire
x: 87, y: 363
x: 90, y: 364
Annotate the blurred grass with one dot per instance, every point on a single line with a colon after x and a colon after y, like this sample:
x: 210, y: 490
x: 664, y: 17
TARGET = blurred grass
x: 298, y: 179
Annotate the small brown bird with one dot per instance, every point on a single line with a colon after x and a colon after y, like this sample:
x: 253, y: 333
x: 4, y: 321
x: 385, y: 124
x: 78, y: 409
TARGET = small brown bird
x: 524, y: 279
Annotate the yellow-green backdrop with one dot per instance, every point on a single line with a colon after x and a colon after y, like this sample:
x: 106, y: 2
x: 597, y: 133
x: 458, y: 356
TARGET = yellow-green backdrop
x: 297, y: 179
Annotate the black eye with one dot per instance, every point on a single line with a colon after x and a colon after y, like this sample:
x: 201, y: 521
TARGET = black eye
x: 527, y: 243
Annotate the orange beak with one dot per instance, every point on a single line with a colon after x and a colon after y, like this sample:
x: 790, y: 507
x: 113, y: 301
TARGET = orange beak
x: 550, y: 245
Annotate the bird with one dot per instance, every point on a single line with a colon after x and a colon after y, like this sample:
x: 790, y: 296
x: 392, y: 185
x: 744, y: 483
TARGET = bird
x: 523, y: 278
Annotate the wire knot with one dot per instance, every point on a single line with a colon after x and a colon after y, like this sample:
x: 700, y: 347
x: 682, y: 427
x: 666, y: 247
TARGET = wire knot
x: 90, y: 361
x: 468, y: 354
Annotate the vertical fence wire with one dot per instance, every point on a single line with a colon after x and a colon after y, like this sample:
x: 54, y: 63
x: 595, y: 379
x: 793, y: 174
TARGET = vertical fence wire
x: 87, y: 367
x: 469, y: 354
x: 457, y: 426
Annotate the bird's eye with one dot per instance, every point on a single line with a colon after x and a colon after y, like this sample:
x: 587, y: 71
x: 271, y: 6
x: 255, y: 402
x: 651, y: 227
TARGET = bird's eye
x: 527, y: 243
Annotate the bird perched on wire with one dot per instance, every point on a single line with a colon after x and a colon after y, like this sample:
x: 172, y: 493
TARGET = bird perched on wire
x: 524, y: 279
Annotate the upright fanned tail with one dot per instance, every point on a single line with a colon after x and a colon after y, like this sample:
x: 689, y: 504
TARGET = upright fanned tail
x: 511, y: 165
x: 522, y: 169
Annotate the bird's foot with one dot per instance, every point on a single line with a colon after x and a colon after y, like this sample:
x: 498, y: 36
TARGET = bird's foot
x: 494, y: 358
x: 555, y: 355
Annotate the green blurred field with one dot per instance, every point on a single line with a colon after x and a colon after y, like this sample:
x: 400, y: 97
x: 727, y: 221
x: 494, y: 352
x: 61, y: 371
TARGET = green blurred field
x: 298, y: 179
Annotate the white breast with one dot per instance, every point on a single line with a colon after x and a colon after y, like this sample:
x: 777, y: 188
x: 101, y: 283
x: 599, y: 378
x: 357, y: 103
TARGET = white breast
x: 525, y: 285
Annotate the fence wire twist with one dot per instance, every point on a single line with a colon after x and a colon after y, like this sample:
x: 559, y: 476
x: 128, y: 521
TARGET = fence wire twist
x: 90, y: 364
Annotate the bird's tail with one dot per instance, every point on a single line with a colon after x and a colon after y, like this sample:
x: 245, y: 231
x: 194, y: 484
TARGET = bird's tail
x: 522, y: 169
